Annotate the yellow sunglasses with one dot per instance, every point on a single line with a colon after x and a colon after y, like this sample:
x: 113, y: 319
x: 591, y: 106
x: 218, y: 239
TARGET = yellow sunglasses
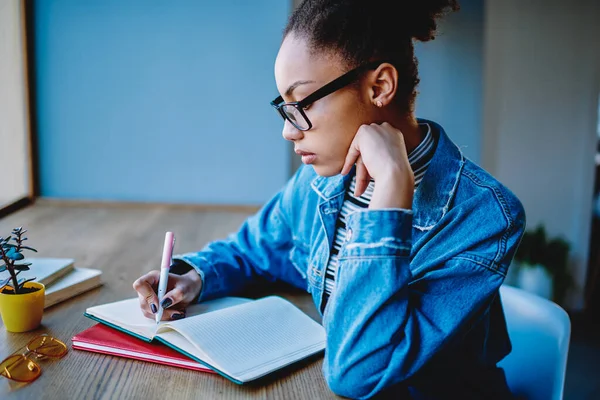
x: 21, y: 368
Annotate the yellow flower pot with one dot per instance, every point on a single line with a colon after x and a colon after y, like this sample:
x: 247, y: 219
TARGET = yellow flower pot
x: 22, y: 312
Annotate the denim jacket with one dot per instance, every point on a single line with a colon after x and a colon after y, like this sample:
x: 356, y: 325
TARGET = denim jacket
x: 415, y: 310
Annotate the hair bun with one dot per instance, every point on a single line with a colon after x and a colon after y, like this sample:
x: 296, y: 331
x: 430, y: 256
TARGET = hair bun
x: 420, y: 16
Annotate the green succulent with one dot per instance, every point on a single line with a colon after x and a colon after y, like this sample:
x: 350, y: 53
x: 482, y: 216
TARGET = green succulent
x: 11, y: 256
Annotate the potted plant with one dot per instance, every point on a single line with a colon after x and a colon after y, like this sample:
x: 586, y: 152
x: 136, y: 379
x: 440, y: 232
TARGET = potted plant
x: 557, y: 262
x: 542, y: 265
x: 21, y: 301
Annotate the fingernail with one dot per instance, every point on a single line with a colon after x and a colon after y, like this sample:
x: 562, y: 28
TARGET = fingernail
x: 153, y: 308
x: 166, y: 303
x: 177, y: 316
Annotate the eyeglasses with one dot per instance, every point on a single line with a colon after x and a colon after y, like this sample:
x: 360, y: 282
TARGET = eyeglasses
x: 21, y: 368
x: 294, y: 111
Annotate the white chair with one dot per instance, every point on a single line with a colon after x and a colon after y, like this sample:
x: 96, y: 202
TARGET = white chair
x: 539, y: 331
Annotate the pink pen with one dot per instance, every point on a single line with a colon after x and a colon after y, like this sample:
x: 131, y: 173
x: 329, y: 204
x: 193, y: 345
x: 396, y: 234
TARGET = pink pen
x: 164, y: 271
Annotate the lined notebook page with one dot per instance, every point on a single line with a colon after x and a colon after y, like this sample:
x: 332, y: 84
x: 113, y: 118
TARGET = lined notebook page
x: 251, y: 339
x: 128, y: 315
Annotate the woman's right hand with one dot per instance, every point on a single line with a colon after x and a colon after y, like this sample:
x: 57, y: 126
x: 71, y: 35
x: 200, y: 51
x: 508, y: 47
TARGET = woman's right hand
x: 181, y: 291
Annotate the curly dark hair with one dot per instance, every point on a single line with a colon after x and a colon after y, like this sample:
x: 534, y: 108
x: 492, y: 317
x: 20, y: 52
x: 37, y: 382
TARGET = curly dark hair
x: 364, y: 30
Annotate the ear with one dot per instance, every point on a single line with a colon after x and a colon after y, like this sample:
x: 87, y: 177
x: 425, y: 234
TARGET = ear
x: 383, y: 83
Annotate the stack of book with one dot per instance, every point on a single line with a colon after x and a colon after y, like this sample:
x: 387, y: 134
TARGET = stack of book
x: 60, y: 276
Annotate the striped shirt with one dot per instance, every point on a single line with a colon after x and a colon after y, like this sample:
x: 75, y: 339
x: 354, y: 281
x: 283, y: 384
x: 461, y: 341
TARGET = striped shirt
x: 419, y: 160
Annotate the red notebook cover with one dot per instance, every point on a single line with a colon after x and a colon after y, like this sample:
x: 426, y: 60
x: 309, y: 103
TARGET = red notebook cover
x: 103, y: 339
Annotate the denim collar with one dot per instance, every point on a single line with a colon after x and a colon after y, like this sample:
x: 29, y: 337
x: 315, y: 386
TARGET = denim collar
x: 435, y: 192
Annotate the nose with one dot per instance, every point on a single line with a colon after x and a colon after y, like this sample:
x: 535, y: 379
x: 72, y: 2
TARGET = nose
x: 291, y: 133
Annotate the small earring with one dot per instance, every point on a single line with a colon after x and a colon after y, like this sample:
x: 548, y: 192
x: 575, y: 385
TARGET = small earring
x: 379, y: 103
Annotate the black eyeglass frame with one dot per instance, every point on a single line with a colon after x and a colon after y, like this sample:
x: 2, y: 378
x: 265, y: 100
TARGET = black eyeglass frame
x: 323, y: 91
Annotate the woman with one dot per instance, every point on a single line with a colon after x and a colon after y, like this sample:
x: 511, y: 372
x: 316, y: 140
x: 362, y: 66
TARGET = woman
x: 402, y: 242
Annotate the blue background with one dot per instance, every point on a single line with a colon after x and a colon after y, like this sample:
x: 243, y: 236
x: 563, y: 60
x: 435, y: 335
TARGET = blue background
x: 168, y: 101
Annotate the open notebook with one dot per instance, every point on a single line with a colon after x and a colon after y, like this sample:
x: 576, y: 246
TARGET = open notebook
x: 241, y: 339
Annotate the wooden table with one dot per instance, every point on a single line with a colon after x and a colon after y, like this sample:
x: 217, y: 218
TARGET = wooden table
x: 125, y: 242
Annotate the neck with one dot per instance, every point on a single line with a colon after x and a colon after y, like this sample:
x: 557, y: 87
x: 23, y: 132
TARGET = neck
x: 409, y: 127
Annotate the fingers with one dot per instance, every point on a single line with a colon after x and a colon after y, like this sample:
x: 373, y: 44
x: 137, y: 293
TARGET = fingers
x: 362, y: 178
x: 173, y: 305
x: 351, y: 157
x: 172, y: 297
x: 144, y: 286
x: 176, y: 299
x: 172, y: 314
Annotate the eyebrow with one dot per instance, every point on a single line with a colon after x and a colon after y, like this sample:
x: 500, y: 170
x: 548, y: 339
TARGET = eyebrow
x: 294, y: 85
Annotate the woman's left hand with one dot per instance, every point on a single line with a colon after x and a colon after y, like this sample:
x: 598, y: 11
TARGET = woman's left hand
x: 379, y: 152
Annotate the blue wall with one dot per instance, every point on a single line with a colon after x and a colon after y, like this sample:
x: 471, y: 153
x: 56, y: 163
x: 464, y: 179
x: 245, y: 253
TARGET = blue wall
x: 153, y: 100
x: 451, y: 70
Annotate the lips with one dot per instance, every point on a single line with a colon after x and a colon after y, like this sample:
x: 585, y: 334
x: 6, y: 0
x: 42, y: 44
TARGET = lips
x: 307, y: 158
x: 303, y: 153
